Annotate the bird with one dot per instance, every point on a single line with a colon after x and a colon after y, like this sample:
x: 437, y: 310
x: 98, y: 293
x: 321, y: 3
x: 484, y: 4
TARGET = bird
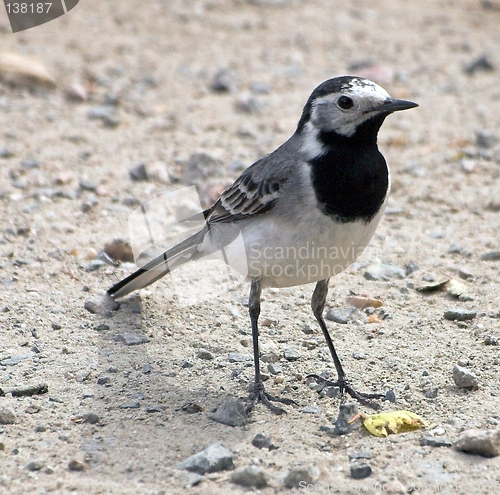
x: 304, y: 212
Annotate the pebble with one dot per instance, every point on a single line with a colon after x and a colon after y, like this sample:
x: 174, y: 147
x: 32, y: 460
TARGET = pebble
x: 491, y: 340
x: 87, y: 185
x: 89, y: 203
x: 76, y: 92
x: 431, y: 392
x: 35, y: 465
x: 441, y: 441
x: 382, y: 271
x: 6, y: 153
x: 75, y: 465
x: 310, y: 409
x: 104, y: 113
x: 91, y: 418
x: 346, y: 315
x: 132, y: 338
x: 491, y: 256
x: 191, y: 408
x: 135, y: 404
x: 236, y: 357
x: 292, y: 355
x: 12, y: 361
x: 119, y: 250
x: 7, y: 416
x: 485, y: 138
x: 95, y: 265
x: 138, y: 173
x: 103, y: 380
x: 464, y: 378
x: 81, y: 375
x: 360, y: 471
x: 231, y: 413
x: 275, y: 369
x: 346, y: 413
x: 224, y: 81
x: 296, y: 477
x: 480, y: 442
x: 457, y: 314
x: 158, y: 172
x: 270, y: 357
x: 262, y: 441
x: 204, y: 354
x: 101, y: 304
x: 359, y: 455
x: 131, y: 201
x: 250, y: 476
x: 214, y: 458
x: 481, y: 63
x: 147, y: 368
x: 20, y: 70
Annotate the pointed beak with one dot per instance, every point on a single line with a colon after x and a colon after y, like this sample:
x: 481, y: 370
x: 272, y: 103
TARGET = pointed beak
x: 393, y: 105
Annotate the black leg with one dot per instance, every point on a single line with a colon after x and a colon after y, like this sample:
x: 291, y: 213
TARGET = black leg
x: 259, y: 394
x: 318, y: 305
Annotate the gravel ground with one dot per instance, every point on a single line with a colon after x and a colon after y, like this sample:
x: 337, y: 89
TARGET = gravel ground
x: 160, y: 83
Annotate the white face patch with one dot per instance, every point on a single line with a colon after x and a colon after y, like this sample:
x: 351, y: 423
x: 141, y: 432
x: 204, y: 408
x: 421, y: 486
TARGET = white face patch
x: 312, y: 147
x: 367, y: 97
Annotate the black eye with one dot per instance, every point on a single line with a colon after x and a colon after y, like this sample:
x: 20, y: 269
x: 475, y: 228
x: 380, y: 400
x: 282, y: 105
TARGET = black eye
x: 345, y: 102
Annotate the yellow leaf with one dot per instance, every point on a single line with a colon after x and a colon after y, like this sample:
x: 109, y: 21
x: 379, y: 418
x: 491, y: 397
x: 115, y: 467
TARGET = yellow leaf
x: 387, y: 423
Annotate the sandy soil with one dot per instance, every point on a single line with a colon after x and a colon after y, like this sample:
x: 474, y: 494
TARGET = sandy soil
x: 154, y: 62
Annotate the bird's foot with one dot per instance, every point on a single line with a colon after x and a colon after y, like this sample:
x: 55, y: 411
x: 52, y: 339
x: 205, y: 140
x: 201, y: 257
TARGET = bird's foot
x: 344, y: 386
x: 258, y: 394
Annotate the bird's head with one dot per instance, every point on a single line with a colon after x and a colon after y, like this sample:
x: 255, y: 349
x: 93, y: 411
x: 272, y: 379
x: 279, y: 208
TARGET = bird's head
x: 342, y: 104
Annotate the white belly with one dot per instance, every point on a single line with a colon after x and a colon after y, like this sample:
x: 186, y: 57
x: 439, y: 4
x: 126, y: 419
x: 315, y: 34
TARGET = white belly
x: 284, y: 255
x: 312, y: 253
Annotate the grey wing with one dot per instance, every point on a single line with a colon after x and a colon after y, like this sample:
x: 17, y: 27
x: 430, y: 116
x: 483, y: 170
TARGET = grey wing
x: 255, y: 191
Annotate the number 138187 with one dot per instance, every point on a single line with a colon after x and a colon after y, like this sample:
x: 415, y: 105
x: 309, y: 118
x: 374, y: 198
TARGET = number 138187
x: 28, y: 8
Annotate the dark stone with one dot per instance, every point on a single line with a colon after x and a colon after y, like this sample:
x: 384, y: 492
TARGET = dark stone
x: 481, y: 63
x: 491, y: 256
x: 346, y: 413
x: 138, y: 173
x: 231, y: 413
x: 457, y: 314
x: 214, y: 458
x: 261, y: 441
x: 360, y: 471
x: 429, y: 441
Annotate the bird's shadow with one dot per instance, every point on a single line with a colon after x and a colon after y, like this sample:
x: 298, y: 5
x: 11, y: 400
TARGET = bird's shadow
x: 144, y: 391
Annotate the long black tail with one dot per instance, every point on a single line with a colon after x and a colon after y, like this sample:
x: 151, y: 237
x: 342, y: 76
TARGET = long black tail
x: 159, y: 266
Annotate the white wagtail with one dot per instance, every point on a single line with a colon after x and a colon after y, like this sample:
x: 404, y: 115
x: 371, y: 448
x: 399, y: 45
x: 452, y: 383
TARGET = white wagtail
x: 305, y: 211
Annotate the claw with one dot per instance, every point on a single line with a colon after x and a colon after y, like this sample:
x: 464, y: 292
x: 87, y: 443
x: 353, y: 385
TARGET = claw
x: 343, y: 384
x: 260, y: 395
